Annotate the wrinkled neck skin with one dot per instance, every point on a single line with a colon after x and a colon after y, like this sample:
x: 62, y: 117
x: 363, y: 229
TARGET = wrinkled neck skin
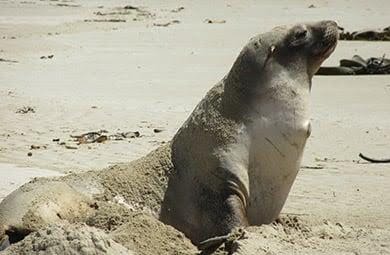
x: 248, y: 84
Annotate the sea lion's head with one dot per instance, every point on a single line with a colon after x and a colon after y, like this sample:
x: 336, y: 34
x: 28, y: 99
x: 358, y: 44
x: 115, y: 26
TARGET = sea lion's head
x: 306, y: 45
x: 298, y: 49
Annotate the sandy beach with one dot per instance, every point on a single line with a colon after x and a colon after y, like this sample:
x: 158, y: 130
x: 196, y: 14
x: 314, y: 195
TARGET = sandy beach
x: 72, y: 67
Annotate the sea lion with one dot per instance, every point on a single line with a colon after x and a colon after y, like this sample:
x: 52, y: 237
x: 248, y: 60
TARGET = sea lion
x: 231, y: 164
x: 237, y: 155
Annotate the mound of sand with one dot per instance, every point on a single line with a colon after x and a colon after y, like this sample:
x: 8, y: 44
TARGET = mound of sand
x: 140, y: 184
x: 67, y: 239
x: 307, y: 235
x: 148, y: 236
x: 145, y: 235
x: 109, y: 216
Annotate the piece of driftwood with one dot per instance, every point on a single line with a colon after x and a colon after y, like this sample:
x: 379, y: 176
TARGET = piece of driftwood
x: 372, y: 160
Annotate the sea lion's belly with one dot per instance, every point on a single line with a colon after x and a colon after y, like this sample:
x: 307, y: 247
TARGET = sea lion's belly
x: 278, y: 140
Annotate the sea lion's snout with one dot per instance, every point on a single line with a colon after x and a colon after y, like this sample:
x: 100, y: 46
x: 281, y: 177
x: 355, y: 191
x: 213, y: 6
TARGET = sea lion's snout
x: 314, y: 40
x: 325, y: 36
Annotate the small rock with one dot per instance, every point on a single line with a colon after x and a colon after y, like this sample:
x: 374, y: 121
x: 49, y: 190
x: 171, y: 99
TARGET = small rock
x: 45, y: 57
x: 209, y: 21
x: 56, y: 139
x: 130, y: 7
x: 29, y: 154
x: 101, y: 139
x: 179, y: 9
x: 132, y: 134
x: 71, y: 147
x: 311, y: 6
x: 157, y: 130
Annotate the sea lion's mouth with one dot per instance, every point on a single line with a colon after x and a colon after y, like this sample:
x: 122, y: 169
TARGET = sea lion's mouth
x: 326, y: 36
x: 328, y: 44
x: 328, y: 51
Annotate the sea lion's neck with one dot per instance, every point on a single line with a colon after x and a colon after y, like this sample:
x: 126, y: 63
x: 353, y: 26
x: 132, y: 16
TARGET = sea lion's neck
x: 245, y: 84
x: 239, y: 87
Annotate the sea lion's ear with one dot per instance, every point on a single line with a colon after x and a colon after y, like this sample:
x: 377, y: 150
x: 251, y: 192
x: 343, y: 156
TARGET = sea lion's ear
x: 270, y: 54
x: 272, y: 49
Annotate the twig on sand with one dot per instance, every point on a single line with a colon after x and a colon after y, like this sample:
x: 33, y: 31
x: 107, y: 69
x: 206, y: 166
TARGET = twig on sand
x: 68, y: 5
x: 313, y: 167
x: 8, y: 60
x: 372, y: 160
x: 166, y: 24
x: 104, y: 20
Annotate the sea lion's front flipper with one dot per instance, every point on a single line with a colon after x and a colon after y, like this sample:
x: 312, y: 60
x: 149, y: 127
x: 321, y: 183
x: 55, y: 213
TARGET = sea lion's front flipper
x: 208, y: 246
x: 229, y: 213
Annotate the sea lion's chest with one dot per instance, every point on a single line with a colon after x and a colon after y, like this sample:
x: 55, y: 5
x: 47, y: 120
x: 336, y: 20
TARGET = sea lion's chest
x: 278, y: 134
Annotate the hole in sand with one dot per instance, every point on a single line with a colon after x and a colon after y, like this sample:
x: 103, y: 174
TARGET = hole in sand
x: 16, y: 235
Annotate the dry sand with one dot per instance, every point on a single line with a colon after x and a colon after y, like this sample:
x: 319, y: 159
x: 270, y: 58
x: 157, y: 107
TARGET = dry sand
x: 68, y: 239
x: 140, y: 75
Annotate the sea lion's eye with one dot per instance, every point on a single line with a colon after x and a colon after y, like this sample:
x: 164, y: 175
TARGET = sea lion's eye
x: 300, y: 34
x: 299, y: 37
